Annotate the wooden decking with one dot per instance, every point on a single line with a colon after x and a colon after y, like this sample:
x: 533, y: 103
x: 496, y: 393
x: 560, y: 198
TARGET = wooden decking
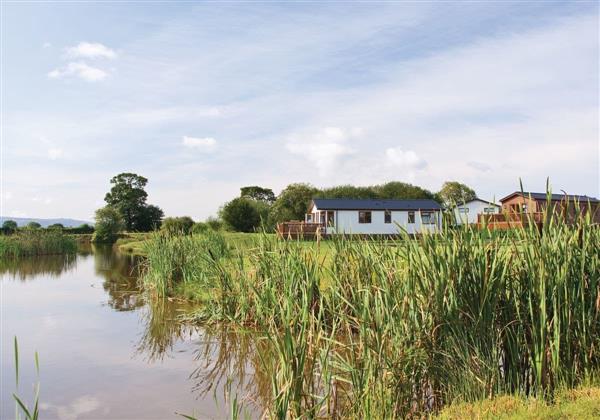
x: 503, y: 221
x: 299, y: 230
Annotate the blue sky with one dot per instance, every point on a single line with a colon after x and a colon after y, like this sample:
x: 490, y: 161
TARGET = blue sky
x: 203, y: 98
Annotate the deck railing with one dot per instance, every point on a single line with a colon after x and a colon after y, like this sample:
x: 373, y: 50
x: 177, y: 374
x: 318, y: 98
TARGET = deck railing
x: 296, y: 229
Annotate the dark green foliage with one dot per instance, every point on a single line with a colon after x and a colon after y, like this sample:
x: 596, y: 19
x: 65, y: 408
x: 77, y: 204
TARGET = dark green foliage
x: 9, y: 227
x: 200, y: 227
x: 453, y: 193
x: 149, y: 218
x: 57, y: 226
x: 33, y: 225
x: 244, y: 214
x: 109, y: 223
x: 82, y: 229
x: 402, y: 191
x: 128, y: 196
x: 292, y: 203
x: 178, y: 225
x: 258, y: 193
x: 346, y: 191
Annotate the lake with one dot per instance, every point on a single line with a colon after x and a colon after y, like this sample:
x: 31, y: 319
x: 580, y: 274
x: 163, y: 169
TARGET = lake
x: 108, y: 351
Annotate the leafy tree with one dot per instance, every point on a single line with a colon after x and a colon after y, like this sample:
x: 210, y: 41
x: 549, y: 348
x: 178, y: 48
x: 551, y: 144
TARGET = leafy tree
x: 347, y: 191
x: 258, y: 193
x: 149, y: 218
x: 243, y: 214
x: 109, y: 223
x: 453, y: 192
x: 56, y: 226
x: 402, y: 191
x: 9, y: 227
x: 178, y: 225
x: 292, y: 203
x: 33, y: 225
x: 128, y: 196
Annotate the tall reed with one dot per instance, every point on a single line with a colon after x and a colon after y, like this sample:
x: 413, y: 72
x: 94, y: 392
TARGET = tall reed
x: 403, y: 327
x: 36, y: 242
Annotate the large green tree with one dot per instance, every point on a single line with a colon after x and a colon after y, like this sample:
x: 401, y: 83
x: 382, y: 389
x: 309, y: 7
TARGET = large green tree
x: 292, y: 203
x: 258, y: 193
x: 109, y: 223
x: 347, y: 191
x: 9, y: 227
x: 401, y: 191
x: 128, y: 196
x: 244, y: 214
x: 453, y: 192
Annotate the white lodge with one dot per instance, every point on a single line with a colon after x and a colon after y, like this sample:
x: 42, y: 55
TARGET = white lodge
x: 375, y: 217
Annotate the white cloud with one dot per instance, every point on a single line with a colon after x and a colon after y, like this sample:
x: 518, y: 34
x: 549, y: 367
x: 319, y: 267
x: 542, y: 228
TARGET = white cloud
x: 405, y: 159
x: 323, y: 148
x: 47, y: 45
x: 204, y: 144
x: 91, y: 50
x: 55, y: 153
x: 81, y: 70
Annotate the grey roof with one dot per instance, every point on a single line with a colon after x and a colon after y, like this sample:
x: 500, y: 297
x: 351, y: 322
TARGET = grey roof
x: 371, y: 204
x: 555, y: 197
x: 482, y: 201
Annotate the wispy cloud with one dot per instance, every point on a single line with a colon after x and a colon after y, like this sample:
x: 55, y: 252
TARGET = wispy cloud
x: 203, y: 144
x: 80, y: 70
x: 323, y: 148
x: 90, y: 50
x: 55, y: 153
x: 405, y: 159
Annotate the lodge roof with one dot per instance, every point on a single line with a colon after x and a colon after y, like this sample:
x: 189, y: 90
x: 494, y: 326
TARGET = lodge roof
x: 554, y: 197
x: 374, y: 204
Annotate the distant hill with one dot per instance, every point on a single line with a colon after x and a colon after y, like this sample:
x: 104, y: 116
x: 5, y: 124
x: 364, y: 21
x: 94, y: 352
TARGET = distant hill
x: 22, y: 221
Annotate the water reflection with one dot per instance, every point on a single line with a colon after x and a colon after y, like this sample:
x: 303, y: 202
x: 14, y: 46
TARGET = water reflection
x: 121, y: 273
x: 215, y: 360
x: 27, y: 268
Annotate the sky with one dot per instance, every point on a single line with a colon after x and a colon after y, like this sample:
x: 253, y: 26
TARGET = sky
x: 204, y: 98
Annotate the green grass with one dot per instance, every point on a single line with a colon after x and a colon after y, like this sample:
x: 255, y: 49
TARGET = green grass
x: 405, y: 327
x: 36, y: 242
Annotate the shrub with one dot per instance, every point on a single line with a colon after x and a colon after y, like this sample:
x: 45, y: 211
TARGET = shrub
x: 108, y: 225
x: 177, y: 225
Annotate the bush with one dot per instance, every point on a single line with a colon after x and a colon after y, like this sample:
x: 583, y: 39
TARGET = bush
x: 244, y: 214
x: 177, y: 225
x: 214, y: 223
x: 108, y: 225
x: 200, y: 227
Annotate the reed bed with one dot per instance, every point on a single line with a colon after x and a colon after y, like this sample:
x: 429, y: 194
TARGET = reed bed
x: 36, y: 242
x: 402, y: 328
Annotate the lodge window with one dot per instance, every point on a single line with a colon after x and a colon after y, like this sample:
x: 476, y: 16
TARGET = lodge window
x: 364, y: 217
x: 463, y: 210
x: 427, y: 218
x: 387, y: 216
x: 489, y: 210
x: 411, y: 217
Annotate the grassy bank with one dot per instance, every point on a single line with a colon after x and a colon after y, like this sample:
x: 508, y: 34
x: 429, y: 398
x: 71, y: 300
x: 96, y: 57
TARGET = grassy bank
x: 36, y: 242
x: 401, y: 328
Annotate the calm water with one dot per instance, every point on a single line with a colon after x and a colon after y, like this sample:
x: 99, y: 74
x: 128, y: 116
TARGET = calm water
x: 106, y: 352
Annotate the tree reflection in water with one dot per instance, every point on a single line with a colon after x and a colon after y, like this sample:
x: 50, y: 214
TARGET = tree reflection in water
x: 226, y: 359
x: 26, y: 268
x: 121, y: 273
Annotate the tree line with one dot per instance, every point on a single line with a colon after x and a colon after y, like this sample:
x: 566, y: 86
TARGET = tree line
x: 255, y: 208
x: 258, y: 207
x: 10, y: 227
